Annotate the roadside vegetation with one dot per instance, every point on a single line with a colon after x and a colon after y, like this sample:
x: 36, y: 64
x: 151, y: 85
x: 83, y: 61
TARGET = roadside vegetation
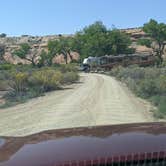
x: 93, y: 40
x: 148, y: 83
x: 28, y: 81
x: 23, y: 82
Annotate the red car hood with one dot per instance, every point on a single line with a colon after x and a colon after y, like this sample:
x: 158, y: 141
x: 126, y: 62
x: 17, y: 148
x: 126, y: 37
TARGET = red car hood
x: 84, y: 146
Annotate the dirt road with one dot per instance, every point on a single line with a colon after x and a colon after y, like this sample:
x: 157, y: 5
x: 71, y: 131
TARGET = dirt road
x: 96, y: 100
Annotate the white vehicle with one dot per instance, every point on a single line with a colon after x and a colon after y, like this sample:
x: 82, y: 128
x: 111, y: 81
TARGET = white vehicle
x: 90, y: 63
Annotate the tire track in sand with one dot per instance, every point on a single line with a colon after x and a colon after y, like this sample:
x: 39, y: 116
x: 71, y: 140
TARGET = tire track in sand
x: 97, y: 100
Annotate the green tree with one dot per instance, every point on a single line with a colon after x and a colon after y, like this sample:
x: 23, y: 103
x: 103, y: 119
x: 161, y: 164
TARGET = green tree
x: 62, y: 46
x: 96, y: 40
x: 52, y: 51
x: 43, y: 60
x: 157, y: 32
x: 91, y: 40
x: 25, y: 50
x: 22, y: 51
x: 118, y: 43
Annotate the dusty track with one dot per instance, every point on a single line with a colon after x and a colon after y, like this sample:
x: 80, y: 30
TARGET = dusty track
x: 97, y: 100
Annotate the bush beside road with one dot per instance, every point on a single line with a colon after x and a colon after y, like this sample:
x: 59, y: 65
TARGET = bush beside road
x: 24, y: 82
x: 148, y: 83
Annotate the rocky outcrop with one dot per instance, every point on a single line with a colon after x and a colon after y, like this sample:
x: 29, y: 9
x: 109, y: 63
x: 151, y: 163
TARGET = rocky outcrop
x: 40, y: 43
x: 135, y: 33
x: 142, y: 49
x: 60, y: 58
x: 14, y: 59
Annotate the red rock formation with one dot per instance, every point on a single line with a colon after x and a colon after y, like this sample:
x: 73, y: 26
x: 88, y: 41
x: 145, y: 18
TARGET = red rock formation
x: 14, y: 59
x: 60, y: 58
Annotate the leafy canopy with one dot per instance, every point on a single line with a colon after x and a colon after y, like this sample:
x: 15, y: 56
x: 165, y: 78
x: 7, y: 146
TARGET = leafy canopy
x: 157, y: 32
x: 119, y: 43
x: 145, y: 42
x: 97, y: 40
x: 62, y: 46
x: 23, y: 50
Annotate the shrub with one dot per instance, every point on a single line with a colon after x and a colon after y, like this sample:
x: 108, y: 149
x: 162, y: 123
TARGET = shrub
x: 6, y: 66
x: 24, y: 81
x: 161, y: 84
x: 131, y: 84
x: 5, y: 75
x: 24, y: 68
x: 160, y: 101
x: 147, y: 82
x: 164, y: 63
x: 157, y: 114
x: 19, y: 82
x: 46, y: 79
x: 155, y: 100
x: 134, y: 72
x: 147, y: 88
x: 116, y: 71
x: 70, y: 77
x: 34, y: 92
x: 151, y: 73
x: 74, y: 61
x: 3, y: 85
x: 162, y: 105
x: 13, y: 97
x: 67, y: 68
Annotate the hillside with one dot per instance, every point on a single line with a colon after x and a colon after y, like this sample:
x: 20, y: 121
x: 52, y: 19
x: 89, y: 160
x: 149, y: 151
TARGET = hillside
x: 40, y: 42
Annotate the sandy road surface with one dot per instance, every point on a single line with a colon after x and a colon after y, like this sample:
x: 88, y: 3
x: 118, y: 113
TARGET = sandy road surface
x: 97, y: 100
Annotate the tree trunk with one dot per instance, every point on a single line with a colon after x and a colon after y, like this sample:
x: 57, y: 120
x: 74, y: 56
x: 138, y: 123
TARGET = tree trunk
x: 160, y: 52
x: 65, y: 58
x: 70, y: 56
x: 32, y: 61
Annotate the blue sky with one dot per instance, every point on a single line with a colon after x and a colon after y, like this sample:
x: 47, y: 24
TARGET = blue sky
x: 43, y: 17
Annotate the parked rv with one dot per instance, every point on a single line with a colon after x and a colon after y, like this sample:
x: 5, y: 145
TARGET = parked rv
x: 107, y: 62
